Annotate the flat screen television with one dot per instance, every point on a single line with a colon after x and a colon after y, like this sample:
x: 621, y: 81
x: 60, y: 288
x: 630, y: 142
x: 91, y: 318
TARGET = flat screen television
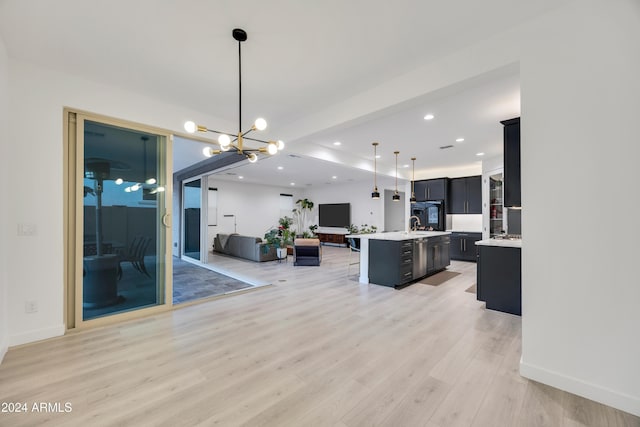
x: 334, y: 215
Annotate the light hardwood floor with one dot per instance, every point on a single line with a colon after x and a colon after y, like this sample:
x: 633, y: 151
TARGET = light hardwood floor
x: 315, y: 349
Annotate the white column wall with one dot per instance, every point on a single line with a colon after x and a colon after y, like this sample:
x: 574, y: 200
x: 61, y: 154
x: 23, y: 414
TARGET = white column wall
x: 4, y: 207
x: 580, y: 131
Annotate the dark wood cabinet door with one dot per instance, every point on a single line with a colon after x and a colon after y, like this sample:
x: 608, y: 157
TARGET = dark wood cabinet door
x: 474, y: 194
x: 456, y: 247
x: 420, y: 188
x: 512, y: 163
x: 457, y: 196
x: 437, y: 189
x: 444, y: 259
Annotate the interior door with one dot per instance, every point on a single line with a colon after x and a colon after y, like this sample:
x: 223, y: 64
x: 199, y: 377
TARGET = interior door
x: 120, y: 239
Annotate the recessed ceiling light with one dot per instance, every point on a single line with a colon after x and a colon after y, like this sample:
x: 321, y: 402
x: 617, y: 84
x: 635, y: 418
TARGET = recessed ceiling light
x: 280, y: 168
x: 241, y: 177
x: 337, y: 143
x: 459, y: 139
x: 334, y: 177
x: 479, y: 154
x: 405, y: 166
x: 429, y: 117
x: 378, y: 156
x: 293, y: 183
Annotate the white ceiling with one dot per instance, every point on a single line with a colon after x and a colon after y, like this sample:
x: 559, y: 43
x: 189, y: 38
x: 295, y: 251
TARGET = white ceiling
x: 300, y: 58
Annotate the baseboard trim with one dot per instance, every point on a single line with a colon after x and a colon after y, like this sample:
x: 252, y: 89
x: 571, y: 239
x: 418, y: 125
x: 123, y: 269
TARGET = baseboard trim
x: 36, y: 335
x: 603, y: 395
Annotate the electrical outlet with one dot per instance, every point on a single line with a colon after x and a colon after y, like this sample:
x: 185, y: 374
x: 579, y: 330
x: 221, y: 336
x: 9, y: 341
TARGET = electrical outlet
x: 31, y: 306
x: 25, y: 229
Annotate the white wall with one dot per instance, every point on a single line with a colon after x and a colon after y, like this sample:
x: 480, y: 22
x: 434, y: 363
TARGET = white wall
x: 37, y: 99
x: 364, y: 210
x: 256, y: 207
x: 580, y: 151
x: 580, y: 100
x: 4, y: 207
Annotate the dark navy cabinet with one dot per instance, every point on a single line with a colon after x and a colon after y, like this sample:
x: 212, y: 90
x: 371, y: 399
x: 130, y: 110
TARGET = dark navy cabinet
x: 512, y: 163
x: 431, y: 189
x: 499, y: 278
x: 463, y: 246
x: 465, y: 195
x: 390, y: 262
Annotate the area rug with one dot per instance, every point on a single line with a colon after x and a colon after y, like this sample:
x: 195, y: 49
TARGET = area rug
x: 440, y: 278
x: 191, y: 282
x: 472, y: 289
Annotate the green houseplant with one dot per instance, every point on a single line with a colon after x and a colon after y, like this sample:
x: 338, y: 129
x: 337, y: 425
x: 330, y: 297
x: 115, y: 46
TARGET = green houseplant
x: 300, y: 213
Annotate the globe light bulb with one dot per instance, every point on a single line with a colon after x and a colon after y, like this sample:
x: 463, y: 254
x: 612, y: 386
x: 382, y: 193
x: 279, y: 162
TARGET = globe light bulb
x: 119, y: 181
x: 272, y: 148
x: 151, y: 181
x: 207, y: 152
x: 160, y: 189
x: 190, y: 126
x: 225, y: 148
x: 280, y: 144
x: 260, y: 124
x: 135, y: 187
x: 252, y: 157
x: 224, y: 140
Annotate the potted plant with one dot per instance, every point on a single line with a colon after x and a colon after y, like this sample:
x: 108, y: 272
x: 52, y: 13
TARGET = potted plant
x: 365, y: 229
x: 300, y: 213
x: 275, y: 240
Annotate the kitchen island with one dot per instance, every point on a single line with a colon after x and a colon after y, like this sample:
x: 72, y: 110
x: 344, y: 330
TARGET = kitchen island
x: 499, y: 276
x: 398, y: 258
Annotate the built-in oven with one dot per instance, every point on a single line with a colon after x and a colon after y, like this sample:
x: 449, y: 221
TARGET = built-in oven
x: 431, y: 215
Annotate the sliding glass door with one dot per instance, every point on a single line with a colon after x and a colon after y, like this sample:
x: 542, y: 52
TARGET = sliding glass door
x: 121, y: 235
x: 192, y: 219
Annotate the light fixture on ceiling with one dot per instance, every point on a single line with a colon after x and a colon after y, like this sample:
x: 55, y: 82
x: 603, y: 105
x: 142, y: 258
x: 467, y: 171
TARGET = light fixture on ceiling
x: 413, y: 181
x: 429, y: 117
x: 460, y: 140
x: 396, y: 196
x: 237, y: 144
x: 375, y: 194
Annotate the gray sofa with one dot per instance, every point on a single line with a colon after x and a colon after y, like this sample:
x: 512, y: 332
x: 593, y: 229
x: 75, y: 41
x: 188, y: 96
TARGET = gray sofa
x: 252, y: 248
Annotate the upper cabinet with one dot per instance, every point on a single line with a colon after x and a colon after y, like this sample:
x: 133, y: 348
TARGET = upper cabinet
x: 465, y: 195
x: 431, y: 189
x: 512, y: 162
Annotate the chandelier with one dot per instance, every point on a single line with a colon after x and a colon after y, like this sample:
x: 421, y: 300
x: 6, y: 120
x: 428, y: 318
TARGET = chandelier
x: 236, y: 144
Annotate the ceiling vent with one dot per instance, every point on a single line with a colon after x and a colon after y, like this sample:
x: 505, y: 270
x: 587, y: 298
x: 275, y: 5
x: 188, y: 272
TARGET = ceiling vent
x: 294, y: 156
x: 444, y: 147
x: 231, y: 173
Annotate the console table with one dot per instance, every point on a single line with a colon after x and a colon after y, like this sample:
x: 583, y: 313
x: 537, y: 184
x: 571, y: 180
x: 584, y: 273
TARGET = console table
x: 332, y: 239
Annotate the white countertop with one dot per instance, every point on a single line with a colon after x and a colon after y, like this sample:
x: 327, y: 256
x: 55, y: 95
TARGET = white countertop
x: 400, y: 235
x: 505, y: 243
x: 464, y: 231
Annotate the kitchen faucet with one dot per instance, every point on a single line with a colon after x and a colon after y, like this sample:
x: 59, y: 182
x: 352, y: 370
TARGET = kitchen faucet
x: 417, y: 224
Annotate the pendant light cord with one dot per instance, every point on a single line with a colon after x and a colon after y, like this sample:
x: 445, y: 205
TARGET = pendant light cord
x: 375, y: 166
x: 396, y: 153
x: 239, y: 87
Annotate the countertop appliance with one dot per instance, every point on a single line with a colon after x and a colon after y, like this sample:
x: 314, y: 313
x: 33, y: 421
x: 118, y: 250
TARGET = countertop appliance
x: 431, y: 214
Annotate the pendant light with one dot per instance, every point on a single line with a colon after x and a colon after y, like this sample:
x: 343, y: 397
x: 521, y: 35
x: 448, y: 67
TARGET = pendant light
x: 413, y: 181
x: 396, y: 196
x: 237, y: 143
x: 375, y: 194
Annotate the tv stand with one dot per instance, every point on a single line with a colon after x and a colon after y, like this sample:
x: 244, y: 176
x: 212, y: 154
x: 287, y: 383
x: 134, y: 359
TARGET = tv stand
x: 332, y: 239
